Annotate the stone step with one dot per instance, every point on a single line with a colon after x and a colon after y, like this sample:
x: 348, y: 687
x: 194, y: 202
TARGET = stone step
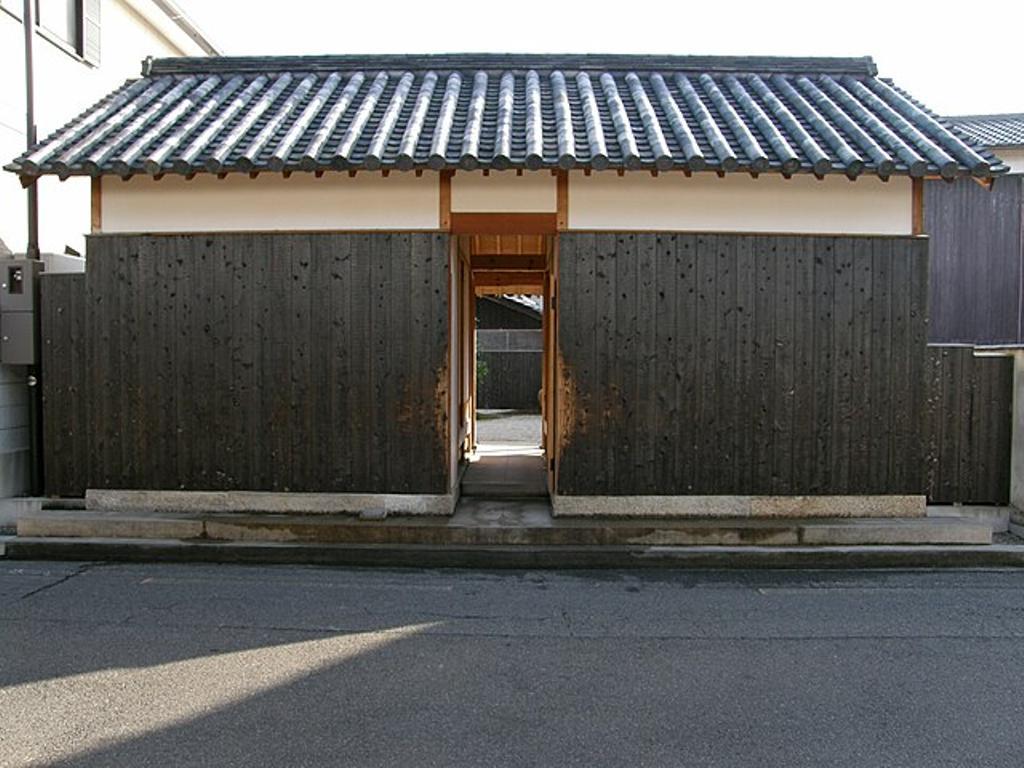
x: 503, y: 490
x: 460, y: 531
x: 534, y: 558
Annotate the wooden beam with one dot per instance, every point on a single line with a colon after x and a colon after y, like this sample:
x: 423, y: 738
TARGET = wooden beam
x: 531, y: 289
x: 917, y: 207
x: 562, y: 201
x: 503, y: 245
x: 503, y: 223
x: 528, y: 262
x: 96, y: 222
x: 508, y: 280
x: 445, y: 214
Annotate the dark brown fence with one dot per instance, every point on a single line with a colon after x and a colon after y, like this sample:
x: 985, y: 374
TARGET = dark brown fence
x: 509, y: 368
x: 977, y: 261
x: 968, y: 426
x: 302, y: 362
x: 741, y: 364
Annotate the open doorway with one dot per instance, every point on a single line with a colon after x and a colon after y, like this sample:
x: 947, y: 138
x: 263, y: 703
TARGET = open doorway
x: 505, y: 364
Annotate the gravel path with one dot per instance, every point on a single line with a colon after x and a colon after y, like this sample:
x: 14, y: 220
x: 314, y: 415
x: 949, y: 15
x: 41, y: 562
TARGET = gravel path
x: 495, y: 426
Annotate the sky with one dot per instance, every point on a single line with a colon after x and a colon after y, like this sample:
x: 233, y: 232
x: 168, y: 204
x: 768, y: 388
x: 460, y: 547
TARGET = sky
x: 955, y: 57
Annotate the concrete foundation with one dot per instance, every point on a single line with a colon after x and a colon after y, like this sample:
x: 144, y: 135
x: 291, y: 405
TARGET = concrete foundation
x: 1017, y: 449
x: 768, y: 507
x: 263, y: 501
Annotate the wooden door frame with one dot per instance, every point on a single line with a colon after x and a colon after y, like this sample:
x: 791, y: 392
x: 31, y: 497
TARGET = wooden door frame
x: 465, y: 294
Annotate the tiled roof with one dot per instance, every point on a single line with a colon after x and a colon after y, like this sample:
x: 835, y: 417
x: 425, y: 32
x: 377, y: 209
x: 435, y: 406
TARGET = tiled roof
x: 1005, y: 130
x: 787, y: 115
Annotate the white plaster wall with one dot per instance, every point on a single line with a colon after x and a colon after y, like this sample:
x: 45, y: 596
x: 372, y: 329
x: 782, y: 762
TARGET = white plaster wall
x: 504, y: 191
x: 271, y: 202
x: 66, y: 86
x: 740, y: 203
x: 1012, y: 157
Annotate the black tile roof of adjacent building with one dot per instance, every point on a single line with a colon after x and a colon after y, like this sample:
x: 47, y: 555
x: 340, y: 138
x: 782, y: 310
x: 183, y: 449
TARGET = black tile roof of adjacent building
x: 1006, y: 130
x: 752, y: 114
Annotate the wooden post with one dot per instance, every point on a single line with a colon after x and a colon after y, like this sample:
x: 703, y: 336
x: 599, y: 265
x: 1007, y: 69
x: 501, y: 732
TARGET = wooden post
x: 917, y: 207
x: 96, y: 222
x: 445, y: 214
x: 562, y: 201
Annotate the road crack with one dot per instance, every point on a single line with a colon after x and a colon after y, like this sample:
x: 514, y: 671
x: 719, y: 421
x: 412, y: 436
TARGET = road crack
x: 63, y: 579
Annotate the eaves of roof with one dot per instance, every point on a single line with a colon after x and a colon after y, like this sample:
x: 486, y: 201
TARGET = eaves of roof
x: 498, y: 111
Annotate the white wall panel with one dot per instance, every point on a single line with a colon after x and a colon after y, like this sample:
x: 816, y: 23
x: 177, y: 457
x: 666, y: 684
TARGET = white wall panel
x: 504, y: 191
x: 739, y: 203
x: 271, y: 202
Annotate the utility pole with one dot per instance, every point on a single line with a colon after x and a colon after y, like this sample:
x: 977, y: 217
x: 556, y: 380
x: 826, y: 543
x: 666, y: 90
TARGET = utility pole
x: 32, y: 252
x: 29, y: 22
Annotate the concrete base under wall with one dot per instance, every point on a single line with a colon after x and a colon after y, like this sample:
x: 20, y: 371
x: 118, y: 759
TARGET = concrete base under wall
x: 769, y: 507
x: 1017, y: 445
x: 266, y: 501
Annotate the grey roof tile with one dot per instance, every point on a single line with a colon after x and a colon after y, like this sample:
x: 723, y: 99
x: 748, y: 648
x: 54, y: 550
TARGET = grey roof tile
x: 1004, y: 130
x: 246, y: 114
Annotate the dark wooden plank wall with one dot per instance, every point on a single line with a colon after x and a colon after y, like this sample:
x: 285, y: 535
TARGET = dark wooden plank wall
x: 977, y: 261
x: 968, y: 428
x: 301, y: 362
x: 741, y: 364
x: 64, y: 381
x: 491, y: 313
x: 513, y: 380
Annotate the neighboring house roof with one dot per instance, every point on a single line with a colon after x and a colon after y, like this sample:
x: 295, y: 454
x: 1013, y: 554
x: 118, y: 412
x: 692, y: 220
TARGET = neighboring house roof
x: 533, y: 304
x: 756, y: 114
x: 1006, y: 130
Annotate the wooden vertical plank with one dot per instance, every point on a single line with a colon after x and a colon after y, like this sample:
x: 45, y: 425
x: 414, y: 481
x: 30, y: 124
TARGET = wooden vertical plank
x: 444, y: 216
x: 863, y: 370
x: 843, y: 365
x: 687, y: 360
x: 646, y: 385
x: 917, y: 353
x: 745, y: 361
x: 562, y: 201
x: 823, y: 385
x: 784, y: 360
x: 880, y: 394
x: 438, y: 248
x: 904, y: 427
x: 278, y: 361
x: 723, y: 455
x: 707, y: 398
x: 96, y: 206
x: 345, y: 387
x: 622, y: 378
x: 379, y: 252
x: 306, y: 339
x: 602, y: 399
x: 764, y: 319
x: 243, y: 328
x: 361, y: 357
x: 665, y: 416
x: 403, y: 427
x: 805, y: 458
x: 917, y: 206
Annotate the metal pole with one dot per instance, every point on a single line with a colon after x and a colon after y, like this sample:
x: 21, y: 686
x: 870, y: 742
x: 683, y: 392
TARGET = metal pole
x: 32, y: 252
x: 29, y: 22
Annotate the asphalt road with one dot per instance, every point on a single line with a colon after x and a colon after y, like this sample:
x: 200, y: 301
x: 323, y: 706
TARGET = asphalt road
x: 166, y: 665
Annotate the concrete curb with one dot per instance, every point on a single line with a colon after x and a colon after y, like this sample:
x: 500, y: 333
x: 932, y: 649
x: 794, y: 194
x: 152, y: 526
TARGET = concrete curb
x: 498, y: 557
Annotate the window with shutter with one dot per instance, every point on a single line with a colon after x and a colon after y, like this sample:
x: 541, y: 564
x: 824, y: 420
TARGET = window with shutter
x: 61, y: 19
x: 71, y: 24
x: 91, y: 31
